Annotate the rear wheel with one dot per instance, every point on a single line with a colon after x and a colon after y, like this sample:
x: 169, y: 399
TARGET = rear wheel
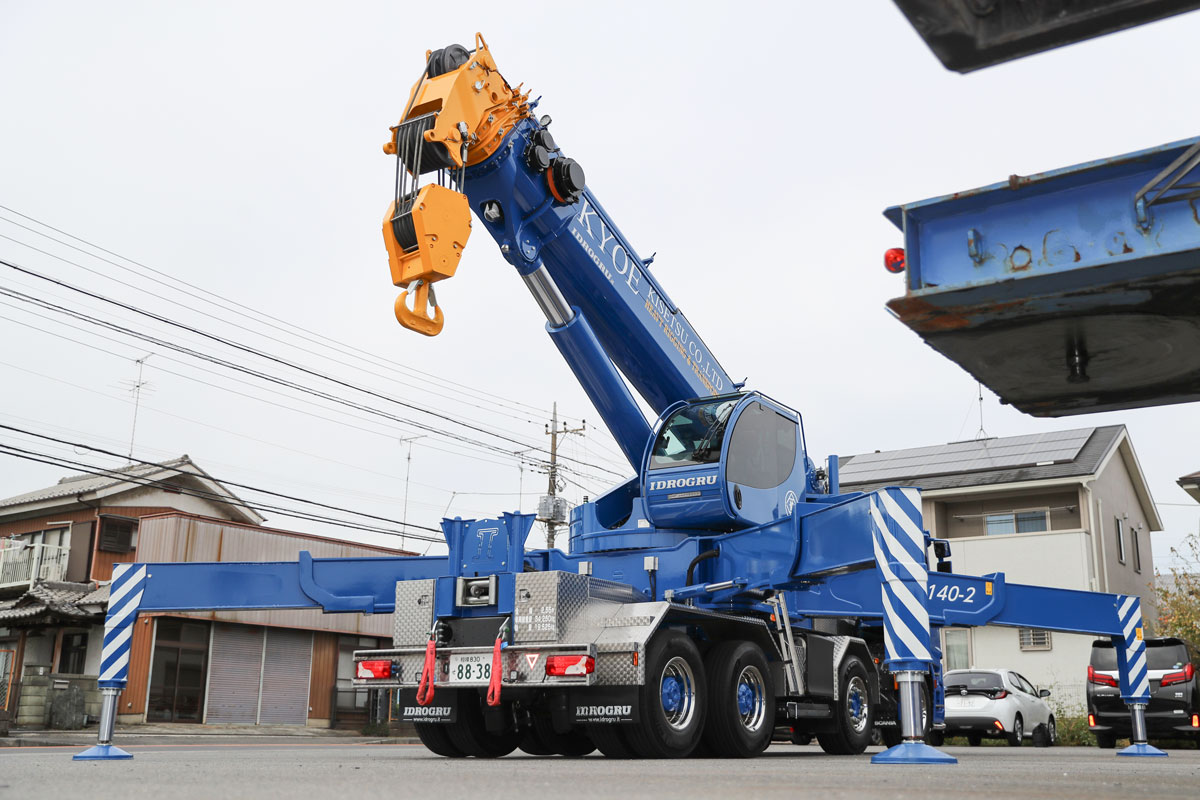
x: 935, y: 738
x: 1017, y: 736
x: 470, y: 734
x: 1106, y: 741
x: 974, y: 739
x: 741, y: 700
x: 572, y: 744
x: 673, y: 699
x: 853, y: 712
x: 610, y: 740
x: 436, y: 738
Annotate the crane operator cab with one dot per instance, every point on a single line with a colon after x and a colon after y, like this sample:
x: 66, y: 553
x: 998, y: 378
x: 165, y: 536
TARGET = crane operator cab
x: 725, y: 463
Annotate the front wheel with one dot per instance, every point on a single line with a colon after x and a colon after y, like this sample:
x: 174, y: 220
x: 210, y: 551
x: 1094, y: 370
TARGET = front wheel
x: 674, y: 699
x: 853, y: 712
x: 741, y: 700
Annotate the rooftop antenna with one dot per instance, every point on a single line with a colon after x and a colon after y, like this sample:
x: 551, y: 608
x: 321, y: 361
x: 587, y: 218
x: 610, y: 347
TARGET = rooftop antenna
x: 135, y: 388
x: 982, y: 434
x: 407, y: 474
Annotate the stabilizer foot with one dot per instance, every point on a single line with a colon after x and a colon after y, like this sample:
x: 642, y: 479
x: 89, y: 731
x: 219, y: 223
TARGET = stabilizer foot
x: 913, y: 753
x: 108, y: 752
x: 1142, y: 750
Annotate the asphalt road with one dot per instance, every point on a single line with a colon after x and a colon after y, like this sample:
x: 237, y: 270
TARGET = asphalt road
x: 315, y: 770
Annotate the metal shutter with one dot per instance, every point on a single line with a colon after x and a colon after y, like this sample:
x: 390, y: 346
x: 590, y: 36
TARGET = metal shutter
x: 233, y: 677
x: 286, y: 676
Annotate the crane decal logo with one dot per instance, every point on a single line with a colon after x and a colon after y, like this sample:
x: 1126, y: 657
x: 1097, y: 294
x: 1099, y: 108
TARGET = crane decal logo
x: 612, y: 257
x: 684, y: 483
x: 491, y: 534
x: 789, y: 502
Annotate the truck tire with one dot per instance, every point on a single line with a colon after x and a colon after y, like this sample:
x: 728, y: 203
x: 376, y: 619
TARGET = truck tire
x: 673, y: 700
x: 572, y: 744
x: 470, y: 735
x: 436, y: 738
x: 741, y: 700
x: 892, y: 735
x: 610, y: 740
x: 853, y: 713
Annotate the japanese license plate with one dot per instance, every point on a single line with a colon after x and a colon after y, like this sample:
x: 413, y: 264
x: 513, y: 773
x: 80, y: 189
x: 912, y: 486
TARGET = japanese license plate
x: 470, y: 667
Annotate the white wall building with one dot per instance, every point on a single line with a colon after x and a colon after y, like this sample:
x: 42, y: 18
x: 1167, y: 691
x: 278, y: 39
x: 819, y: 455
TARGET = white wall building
x: 1069, y: 509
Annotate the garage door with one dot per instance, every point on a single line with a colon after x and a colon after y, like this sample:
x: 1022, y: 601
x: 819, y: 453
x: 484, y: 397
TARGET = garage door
x: 259, y: 675
x: 286, y: 677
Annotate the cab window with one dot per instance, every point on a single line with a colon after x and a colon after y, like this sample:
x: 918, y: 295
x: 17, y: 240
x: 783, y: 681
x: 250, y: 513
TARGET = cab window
x: 762, y: 448
x: 692, y: 435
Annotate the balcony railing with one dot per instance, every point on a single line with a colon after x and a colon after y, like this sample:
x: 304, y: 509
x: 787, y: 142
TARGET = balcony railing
x: 23, y: 563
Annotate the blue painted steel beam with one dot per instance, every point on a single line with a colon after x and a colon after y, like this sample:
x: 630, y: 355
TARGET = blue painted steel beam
x: 1067, y: 292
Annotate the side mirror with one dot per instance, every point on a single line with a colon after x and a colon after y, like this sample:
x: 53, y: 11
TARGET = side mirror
x: 941, y: 548
x: 1043, y: 693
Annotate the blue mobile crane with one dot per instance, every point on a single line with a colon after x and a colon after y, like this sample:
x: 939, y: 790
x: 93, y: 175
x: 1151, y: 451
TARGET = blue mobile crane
x: 728, y: 588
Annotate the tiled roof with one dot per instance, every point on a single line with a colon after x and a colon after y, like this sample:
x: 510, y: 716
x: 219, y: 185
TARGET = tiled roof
x: 82, y: 484
x: 58, y: 599
x: 1099, y: 442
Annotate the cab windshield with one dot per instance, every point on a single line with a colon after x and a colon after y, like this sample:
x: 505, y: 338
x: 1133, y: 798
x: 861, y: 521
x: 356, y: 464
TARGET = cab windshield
x: 692, y: 435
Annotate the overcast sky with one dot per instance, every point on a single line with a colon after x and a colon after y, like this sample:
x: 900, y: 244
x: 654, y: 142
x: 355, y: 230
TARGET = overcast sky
x: 236, y: 146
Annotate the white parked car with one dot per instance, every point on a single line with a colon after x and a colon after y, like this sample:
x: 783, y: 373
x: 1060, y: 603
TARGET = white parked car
x: 997, y: 703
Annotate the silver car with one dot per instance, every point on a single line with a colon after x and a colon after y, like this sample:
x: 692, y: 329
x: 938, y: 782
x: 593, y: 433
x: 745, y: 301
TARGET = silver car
x: 997, y: 703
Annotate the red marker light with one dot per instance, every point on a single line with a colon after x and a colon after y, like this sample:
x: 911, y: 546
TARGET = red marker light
x: 1091, y: 720
x: 1196, y: 720
x: 893, y: 260
x: 570, y: 665
x: 374, y: 669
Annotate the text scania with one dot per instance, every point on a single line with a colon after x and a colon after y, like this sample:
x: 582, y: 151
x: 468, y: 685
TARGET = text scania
x: 611, y: 256
x: 683, y: 483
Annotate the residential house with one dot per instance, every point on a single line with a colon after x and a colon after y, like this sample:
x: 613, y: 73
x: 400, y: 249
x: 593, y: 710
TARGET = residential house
x: 1191, y: 485
x: 57, y: 550
x: 1069, y: 509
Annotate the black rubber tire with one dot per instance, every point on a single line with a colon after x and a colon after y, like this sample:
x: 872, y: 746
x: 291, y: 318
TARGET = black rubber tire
x: 610, y: 740
x: 436, y: 738
x: 572, y: 744
x: 892, y: 735
x: 974, y: 739
x: 1017, y: 737
x: 846, y: 740
x: 1053, y: 730
x: 935, y: 738
x: 654, y: 736
x: 724, y: 732
x: 801, y: 739
x: 532, y: 743
x: 470, y: 735
x: 1106, y: 741
x: 1041, y: 736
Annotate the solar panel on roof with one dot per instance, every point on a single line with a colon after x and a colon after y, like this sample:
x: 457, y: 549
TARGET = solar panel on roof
x: 971, y: 456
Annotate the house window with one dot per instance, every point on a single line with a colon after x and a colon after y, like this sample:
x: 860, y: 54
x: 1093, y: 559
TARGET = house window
x: 957, y: 648
x: 1120, y: 540
x: 1016, y: 522
x: 1137, y: 549
x: 1034, y: 639
x: 117, y: 534
x: 73, y: 653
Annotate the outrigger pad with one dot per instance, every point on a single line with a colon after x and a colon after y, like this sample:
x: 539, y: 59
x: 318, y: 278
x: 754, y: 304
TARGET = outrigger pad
x: 108, y: 752
x: 1142, y: 750
x: 913, y: 753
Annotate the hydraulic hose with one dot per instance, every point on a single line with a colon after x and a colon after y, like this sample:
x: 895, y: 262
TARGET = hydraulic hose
x: 691, y: 570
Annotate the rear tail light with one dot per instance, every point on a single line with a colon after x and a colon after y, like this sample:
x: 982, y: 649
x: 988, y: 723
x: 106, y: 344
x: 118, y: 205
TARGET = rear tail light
x: 1000, y: 695
x: 1183, y: 676
x: 570, y: 665
x: 1092, y: 720
x: 1196, y: 720
x: 893, y: 260
x: 999, y: 725
x: 374, y: 669
x: 1100, y: 678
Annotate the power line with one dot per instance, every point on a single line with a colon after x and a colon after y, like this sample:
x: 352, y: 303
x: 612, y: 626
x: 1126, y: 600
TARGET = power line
x: 303, y: 333
x: 58, y: 461
x: 252, y: 351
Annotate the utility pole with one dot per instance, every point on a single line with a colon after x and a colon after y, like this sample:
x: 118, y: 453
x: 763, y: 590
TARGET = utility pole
x: 553, y: 509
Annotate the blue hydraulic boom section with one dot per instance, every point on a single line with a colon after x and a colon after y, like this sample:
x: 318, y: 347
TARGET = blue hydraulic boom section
x: 598, y: 273
x: 1068, y: 292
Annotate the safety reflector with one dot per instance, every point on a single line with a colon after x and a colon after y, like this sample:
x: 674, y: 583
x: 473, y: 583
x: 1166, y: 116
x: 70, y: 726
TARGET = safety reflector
x: 893, y: 260
x: 570, y: 665
x: 999, y: 726
x: 374, y: 669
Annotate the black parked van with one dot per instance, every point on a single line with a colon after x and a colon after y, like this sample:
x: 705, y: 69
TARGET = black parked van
x: 1174, y: 709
